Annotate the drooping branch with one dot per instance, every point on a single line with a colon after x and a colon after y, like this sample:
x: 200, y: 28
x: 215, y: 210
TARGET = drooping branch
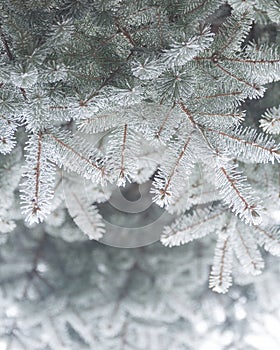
x: 37, y: 175
x: 247, y: 252
x: 175, y: 166
x: 77, y: 155
x: 236, y: 192
x: 85, y: 215
x: 220, y: 278
x: 192, y: 226
x: 121, y: 175
x: 38, y: 188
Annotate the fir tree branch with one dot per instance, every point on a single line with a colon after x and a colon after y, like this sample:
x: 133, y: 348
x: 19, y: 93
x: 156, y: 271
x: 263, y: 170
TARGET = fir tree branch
x: 85, y: 215
x: 191, y: 226
x: 84, y: 161
x: 220, y: 277
x: 247, y: 252
x: 214, y: 59
x: 174, y: 169
x: 37, y: 189
x: 233, y: 115
x: 23, y: 91
x: 176, y: 164
x: 242, y: 22
x: 226, y: 94
x: 6, y: 45
x: 159, y: 22
x: 123, y: 150
x: 72, y: 150
x: 122, y: 169
x: 125, y: 32
x: 195, y: 8
x: 254, y: 86
x: 270, y: 121
x: 243, y: 205
x: 105, y: 82
x: 269, y: 237
x: 188, y: 113
x: 251, y: 61
x: 246, y: 141
x: 37, y: 172
x: 236, y: 191
x: 7, y: 131
x: 162, y: 125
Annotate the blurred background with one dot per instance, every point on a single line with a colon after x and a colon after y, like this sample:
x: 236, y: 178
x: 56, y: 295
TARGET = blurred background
x: 74, y: 294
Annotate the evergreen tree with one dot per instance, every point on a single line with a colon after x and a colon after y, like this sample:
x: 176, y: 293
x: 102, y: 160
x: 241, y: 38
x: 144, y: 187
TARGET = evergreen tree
x: 100, y: 95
